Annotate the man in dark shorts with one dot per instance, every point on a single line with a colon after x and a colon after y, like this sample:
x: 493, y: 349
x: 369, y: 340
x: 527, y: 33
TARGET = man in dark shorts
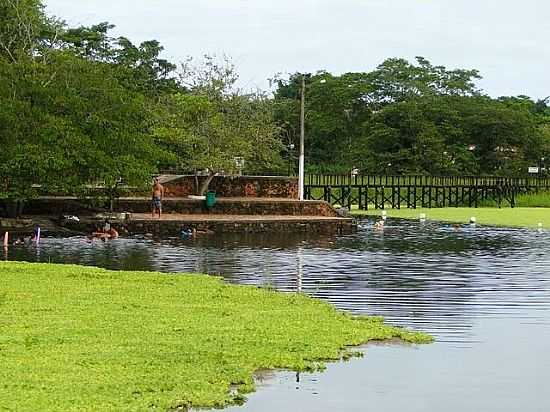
x: 158, y: 194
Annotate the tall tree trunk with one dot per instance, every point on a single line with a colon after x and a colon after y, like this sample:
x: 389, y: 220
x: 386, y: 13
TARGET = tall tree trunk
x: 205, y: 184
x: 196, y: 182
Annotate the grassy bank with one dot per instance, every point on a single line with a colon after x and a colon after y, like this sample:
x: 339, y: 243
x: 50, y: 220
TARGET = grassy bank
x: 541, y: 199
x: 516, y: 217
x: 77, y: 338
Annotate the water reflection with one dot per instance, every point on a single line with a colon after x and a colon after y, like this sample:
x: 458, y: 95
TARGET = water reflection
x: 425, y: 276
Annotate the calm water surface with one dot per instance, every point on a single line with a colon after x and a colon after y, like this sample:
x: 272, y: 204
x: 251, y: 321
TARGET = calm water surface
x: 484, y: 293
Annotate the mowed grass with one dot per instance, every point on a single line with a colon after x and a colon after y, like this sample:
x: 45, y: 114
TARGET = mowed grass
x: 509, y: 217
x: 77, y: 338
x: 541, y: 199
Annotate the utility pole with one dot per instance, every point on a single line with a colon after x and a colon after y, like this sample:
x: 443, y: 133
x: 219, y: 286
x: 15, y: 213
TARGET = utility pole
x: 301, y: 163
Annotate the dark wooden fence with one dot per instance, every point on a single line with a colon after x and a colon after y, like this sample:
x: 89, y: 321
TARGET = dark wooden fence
x: 381, y: 192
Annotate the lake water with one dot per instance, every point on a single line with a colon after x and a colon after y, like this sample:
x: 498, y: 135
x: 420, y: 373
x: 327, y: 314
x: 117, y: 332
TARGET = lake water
x: 484, y: 293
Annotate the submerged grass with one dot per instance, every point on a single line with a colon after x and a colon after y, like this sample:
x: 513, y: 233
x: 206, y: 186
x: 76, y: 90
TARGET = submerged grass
x: 507, y: 217
x: 77, y: 338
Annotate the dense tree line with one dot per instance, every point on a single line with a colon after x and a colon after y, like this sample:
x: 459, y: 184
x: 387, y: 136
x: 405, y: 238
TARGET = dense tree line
x: 407, y: 118
x: 80, y: 107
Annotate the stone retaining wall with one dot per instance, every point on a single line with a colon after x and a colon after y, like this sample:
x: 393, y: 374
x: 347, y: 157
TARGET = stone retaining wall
x: 173, y: 228
x: 235, y: 186
x: 64, y: 206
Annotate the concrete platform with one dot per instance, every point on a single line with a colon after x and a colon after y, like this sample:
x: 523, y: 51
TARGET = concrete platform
x: 171, y: 224
x: 244, y: 214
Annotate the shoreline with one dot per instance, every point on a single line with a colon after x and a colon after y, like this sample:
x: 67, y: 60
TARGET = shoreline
x: 108, y: 337
x: 527, y: 218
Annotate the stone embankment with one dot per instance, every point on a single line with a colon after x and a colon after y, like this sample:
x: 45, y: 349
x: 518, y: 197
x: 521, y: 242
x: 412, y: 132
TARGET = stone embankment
x: 252, y: 215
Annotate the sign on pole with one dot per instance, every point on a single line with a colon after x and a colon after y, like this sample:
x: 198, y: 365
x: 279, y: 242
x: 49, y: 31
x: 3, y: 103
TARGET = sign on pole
x: 533, y: 170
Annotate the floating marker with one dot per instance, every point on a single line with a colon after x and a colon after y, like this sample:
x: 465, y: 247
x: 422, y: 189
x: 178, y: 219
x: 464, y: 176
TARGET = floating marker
x: 473, y: 219
x: 384, y: 213
x: 422, y: 216
x: 540, y: 225
x: 6, y: 239
x: 38, y: 235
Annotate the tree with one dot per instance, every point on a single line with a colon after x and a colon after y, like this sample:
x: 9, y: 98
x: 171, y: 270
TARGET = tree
x: 69, y: 122
x: 68, y: 117
x: 335, y: 111
x: 23, y: 27
x: 450, y: 135
x: 398, y: 80
x: 140, y: 68
x: 213, y: 125
x: 411, y: 118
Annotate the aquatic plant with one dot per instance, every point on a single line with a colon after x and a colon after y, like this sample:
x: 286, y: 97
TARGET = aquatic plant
x: 78, y: 338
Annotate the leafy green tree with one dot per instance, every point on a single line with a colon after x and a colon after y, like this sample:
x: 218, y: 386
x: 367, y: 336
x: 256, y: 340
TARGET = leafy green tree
x: 140, y: 68
x: 68, y: 116
x: 398, y: 80
x: 71, y: 123
x: 22, y: 29
x: 335, y: 112
x: 144, y: 70
x: 213, y: 125
x: 411, y: 118
x: 451, y: 135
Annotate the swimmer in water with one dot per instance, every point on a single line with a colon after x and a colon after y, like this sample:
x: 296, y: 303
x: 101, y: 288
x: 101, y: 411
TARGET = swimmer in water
x: 104, y: 235
x: 379, y: 225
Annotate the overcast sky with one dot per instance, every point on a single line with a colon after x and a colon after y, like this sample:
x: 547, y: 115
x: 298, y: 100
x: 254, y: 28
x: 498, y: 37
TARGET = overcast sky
x: 507, y: 40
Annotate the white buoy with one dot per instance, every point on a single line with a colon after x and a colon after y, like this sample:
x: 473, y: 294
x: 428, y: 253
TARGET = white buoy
x: 384, y: 213
x: 473, y: 220
x: 539, y: 227
x: 422, y: 216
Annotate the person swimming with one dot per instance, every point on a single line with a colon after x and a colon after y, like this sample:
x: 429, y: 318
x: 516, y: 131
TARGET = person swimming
x: 103, y: 234
x: 191, y: 233
x: 379, y: 225
x: 187, y: 233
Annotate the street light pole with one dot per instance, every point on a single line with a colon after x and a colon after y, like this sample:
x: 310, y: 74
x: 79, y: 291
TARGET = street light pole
x: 290, y: 156
x: 301, y: 161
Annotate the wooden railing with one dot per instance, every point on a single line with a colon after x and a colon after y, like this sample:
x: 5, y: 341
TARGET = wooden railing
x: 382, y: 192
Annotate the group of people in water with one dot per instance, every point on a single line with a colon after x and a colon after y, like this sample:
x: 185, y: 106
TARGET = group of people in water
x: 22, y: 240
x: 107, y: 232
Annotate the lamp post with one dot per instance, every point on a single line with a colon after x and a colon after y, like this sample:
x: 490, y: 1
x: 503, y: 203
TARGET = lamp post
x: 301, y: 161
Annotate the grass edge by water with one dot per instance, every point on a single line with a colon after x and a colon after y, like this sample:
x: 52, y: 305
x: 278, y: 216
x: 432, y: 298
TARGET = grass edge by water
x: 81, y: 330
x: 505, y: 217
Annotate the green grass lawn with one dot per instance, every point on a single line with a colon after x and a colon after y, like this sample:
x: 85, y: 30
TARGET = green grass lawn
x: 516, y: 217
x: 77, y: 338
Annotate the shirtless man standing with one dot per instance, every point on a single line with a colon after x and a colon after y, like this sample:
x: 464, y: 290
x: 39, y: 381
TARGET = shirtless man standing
x: 158, y: 194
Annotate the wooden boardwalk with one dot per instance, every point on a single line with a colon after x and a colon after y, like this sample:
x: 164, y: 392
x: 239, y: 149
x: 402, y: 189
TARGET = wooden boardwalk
x: 381, y: 192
